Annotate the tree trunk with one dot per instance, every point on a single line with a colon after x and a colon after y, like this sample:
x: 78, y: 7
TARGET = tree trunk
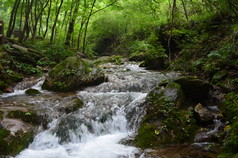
x: 55, y: 22
x: 185, y: 10
x: 86, y: 26
x: 71, y: 24
x: 37, y: 18
x: 1, y: 32
x: 12, y: 20
x: 47, y: 19
x: 171, y: 28
x: 26, y: 28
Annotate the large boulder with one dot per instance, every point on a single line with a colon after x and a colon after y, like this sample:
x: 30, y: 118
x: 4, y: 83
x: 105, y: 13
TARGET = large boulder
x: 165, y: 122
x: 194, y: 88
x: 73, y: 74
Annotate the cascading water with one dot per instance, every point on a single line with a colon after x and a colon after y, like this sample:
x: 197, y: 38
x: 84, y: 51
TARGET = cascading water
x: 111, y: 112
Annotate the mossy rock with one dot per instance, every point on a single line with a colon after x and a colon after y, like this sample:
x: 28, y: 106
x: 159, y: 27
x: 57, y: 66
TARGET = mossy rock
x: 165, y: 123
x: 196, y: 89
x: 3, y: 144
x: 73, y: 74
x: 27, y: 116
x: 229, y: 109
x: 12, y: 145
x: 32, y: 91
x: 73, y: 105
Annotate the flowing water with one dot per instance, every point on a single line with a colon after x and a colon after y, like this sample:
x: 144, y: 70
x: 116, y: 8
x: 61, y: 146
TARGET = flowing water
x: 111, y: 112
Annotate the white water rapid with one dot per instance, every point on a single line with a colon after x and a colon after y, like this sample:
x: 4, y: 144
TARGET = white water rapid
x: 111, y: 113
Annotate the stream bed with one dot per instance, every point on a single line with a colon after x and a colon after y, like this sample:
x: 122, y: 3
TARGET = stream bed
x: 112, y: 112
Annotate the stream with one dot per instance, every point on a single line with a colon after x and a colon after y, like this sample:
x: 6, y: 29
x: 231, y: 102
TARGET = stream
x: 112, y: 112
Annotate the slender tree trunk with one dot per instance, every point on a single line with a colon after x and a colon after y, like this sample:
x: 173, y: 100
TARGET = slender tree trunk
x: 185, y: 9
x: 47, y: 19
x: 55, y: 22
x: 88, y: 19
x: 12, y: 20
x: 22, y: 8
x: 37, y: 18
x: 86, y: 26
x: 80, y: 34
x: 171, y: 29
x: 1, y: 32
x: 71, y: 24
x: 26, y: 28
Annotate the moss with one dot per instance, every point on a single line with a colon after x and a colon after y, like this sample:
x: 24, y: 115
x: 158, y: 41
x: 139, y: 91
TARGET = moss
x: 146, y: 137
x: 28, y: 116
x: 165, y: 123
x: 12, y: 145
x: 32, y: 91
x: 3, y: 144
x: 19, y: 143
x: 4, y: 133
x: 230, y: 106
x: 230, y: 111
x: 73, y: 74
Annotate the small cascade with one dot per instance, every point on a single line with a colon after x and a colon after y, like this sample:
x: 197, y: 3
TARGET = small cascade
x: 111, y: 112
x: 21, y: 87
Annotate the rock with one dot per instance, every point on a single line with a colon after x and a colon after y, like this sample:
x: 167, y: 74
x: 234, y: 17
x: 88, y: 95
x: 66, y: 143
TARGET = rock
x: 25, y: 55
x: 73, y: 105
x: 174, y: 93
x: 32, y: 91
x: 196, y: 89
x: 8, y: 90
x: 73, y: 74
x: 14, y: 136
x: 26, y: 115
x: 165, y: 122
x: 204, y: 116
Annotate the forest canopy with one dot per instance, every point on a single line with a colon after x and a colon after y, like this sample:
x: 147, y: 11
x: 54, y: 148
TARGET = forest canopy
x: 85, y: 25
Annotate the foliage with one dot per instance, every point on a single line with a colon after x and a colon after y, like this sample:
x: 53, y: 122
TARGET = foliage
x: 230, y: 110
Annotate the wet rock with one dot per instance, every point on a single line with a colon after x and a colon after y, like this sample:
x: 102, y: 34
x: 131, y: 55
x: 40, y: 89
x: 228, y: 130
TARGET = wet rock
x: 174, y: 93
x: 32, y: 91
x: 204, y: 116
x: 73, y: 105
x: 26, y: 115
x: 8, y: 90
x: 165, y: 123
x: 196, y: 89
x: 15, y: 135
x: 182, y: 151
x: 73, y: 74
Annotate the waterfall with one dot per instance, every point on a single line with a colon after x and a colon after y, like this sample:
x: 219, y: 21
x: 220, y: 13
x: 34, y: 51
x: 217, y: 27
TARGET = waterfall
x: 112, y: 111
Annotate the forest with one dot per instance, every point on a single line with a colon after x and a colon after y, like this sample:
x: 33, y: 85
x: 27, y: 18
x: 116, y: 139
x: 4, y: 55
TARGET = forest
x: 72, y: 39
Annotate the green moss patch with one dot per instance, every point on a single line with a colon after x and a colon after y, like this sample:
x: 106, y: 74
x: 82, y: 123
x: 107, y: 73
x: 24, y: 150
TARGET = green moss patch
x: 28, y: 116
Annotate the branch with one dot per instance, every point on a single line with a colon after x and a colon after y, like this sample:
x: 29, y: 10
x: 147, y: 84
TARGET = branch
x: 104, y: 7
